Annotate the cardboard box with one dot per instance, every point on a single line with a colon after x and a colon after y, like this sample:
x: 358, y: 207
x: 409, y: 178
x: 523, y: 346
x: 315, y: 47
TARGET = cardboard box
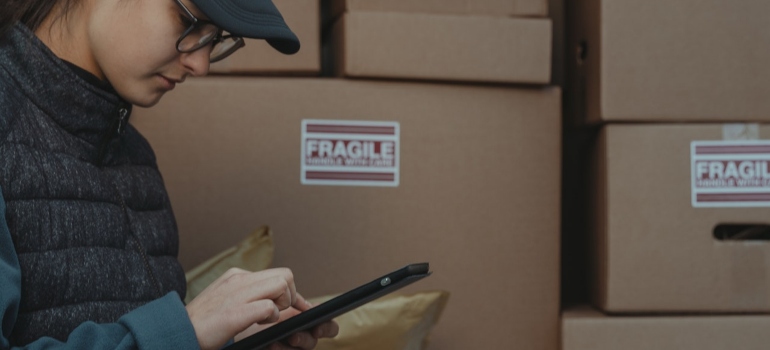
x: 477, y: 192
x: 514, y: 8
x: 442, y: 47
x: 661, y: 194
x: 666, y: 61
x: 258, y: 57
x: 586, y: 329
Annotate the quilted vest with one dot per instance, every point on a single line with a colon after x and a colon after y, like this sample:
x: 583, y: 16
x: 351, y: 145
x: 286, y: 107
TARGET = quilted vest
x: 87, y: 209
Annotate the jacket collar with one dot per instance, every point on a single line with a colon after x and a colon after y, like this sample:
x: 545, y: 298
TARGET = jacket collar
x: 79, y: 107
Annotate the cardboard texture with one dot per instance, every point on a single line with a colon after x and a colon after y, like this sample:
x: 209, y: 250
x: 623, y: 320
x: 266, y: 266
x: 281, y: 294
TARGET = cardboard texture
x: 514, y: 8
x: 655, y: 251
x: 442, y: 47
x: 258, y: 57
x: 658, y: 60
x: 478, y: 195
x: 586, y: 329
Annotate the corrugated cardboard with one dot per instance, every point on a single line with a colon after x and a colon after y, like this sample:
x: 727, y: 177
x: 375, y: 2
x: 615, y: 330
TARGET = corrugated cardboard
x: 478, y: 195
x: 586, y: 329
x: 258, y: 57
x: 443, y: 47
x: 655, y: 251
x: 659, y: 60
x: 516, y: 8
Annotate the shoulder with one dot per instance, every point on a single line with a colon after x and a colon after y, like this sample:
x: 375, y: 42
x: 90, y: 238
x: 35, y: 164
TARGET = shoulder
x: 12, y: 103
x: 141, y: 152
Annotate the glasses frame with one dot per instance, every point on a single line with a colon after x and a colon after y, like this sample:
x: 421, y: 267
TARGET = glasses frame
x: 216, y: 39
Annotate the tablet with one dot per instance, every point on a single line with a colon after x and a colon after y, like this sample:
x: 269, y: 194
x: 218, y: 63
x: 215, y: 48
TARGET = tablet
x: 334, y: 307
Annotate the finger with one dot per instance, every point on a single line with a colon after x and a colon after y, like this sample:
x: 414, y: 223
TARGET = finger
x: 284, y: 273
x: 254, y: 328
x: 302, y: 340
x: 284, y: 299
x: 274, y: 288
x: 326, y: 330
x: 236, y: 280
x: 262, y: 311
x: 302, y: 304
x: 238, y: 300
x: 270, y: 276
x: 288, y: 313
x: 282, y: 346
x: 289, y: 276
x: 227, y: 277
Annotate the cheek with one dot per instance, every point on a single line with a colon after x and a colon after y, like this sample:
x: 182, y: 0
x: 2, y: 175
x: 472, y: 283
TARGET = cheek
x: 132, y: 70
x: 133, y: 41
x: 136, y: 55
x: 131, y: 59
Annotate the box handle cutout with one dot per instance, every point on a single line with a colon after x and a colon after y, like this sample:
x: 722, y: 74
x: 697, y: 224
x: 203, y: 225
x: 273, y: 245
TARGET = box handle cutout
x: 742, y: 232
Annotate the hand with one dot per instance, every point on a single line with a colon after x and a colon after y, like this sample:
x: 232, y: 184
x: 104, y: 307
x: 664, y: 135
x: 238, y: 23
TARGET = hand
x: 237, y: 300
x: 300, y: 341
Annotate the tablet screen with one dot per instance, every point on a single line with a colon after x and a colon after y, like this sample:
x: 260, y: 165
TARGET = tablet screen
x: 335, y: 307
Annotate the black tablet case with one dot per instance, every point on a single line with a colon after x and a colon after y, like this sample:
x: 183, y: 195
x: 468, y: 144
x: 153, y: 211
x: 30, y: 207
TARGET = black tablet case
x: 335, y: 307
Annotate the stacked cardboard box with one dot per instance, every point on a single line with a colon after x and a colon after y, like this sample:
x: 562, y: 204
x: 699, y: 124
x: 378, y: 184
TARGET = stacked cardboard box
x: 584, y: 328
x: 680, y: 182
x: 460, y: 40
x: 497, y: 8
x: 474, y: 192
x: 488, y: 41
x: 357, y: 176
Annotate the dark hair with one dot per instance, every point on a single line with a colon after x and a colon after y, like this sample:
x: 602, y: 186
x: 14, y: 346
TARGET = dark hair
x: 29, y: 12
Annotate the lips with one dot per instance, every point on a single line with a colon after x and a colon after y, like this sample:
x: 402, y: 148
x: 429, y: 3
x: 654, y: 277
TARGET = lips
x: 168, y: 83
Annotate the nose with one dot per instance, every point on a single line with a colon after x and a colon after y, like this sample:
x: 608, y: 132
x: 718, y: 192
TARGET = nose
x: 197, y: 62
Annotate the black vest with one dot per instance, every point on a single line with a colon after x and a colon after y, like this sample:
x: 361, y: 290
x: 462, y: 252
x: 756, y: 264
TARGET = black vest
x: 86, y: 206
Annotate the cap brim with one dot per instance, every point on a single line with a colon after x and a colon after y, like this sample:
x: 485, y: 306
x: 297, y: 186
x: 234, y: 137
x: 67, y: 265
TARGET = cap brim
x: 256, y: 19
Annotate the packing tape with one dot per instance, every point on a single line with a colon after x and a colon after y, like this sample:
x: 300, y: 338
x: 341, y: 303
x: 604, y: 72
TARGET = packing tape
x: 740, y: 131
x: 749, y: 276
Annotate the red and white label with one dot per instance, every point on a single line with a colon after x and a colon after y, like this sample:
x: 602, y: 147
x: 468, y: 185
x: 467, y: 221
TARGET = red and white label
x: 730, y: 173
x: 350, y: 153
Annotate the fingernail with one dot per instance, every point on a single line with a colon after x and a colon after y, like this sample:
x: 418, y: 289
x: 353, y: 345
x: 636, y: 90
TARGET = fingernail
x: 295, y: 340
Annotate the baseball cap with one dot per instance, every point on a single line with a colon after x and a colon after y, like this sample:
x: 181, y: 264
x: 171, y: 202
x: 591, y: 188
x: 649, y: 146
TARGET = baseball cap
x: 256, y: 19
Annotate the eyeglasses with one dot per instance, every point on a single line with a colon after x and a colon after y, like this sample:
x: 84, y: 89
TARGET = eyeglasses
x: 201, y: 33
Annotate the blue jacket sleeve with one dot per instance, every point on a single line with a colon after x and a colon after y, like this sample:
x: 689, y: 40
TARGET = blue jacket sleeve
x: 160, y: 324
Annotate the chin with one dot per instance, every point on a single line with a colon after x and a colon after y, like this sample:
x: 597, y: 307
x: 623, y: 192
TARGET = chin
x: 145, y: 101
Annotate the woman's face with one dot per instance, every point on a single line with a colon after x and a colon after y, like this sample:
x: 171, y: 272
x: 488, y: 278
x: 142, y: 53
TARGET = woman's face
x: 133, y: 44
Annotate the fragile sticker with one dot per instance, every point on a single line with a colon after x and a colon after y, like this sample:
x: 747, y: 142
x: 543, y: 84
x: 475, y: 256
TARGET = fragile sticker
x: 730, y: 173
x: 350, y: 153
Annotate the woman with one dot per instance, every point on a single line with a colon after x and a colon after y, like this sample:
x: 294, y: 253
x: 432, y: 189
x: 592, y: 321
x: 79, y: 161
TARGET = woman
x: 88, y: 242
